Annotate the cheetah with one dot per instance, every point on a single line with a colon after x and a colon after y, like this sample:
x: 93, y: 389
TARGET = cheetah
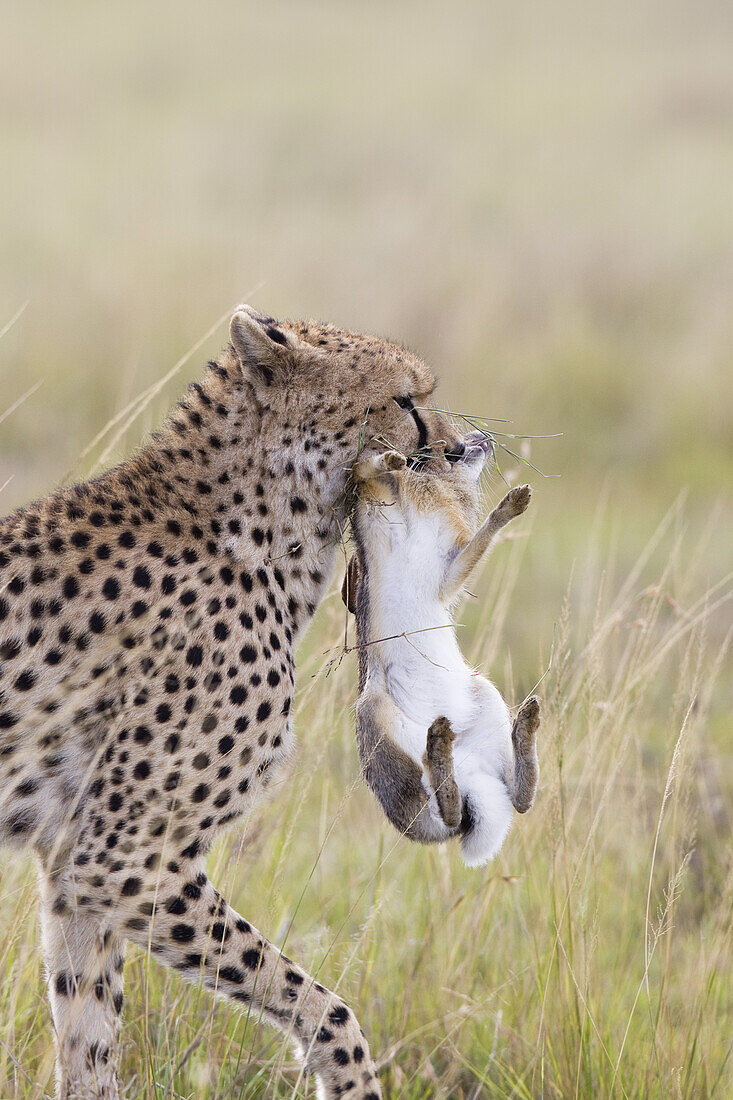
x: 148, y: 620
x: 436, y: 742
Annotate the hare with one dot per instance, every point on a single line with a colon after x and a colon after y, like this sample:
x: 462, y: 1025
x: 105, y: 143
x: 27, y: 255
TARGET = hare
x: 436, y: 741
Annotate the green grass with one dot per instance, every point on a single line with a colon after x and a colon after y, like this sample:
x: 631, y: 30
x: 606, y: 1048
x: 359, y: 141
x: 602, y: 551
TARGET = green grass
x: 537, y: 199
x: 591, y: 959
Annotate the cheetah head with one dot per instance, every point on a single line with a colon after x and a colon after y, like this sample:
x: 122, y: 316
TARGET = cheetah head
x: 347, y: 393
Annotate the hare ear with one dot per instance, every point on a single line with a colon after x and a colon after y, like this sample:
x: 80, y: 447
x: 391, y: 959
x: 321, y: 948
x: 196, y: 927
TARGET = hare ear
x: 264, y: 350
x: 349, y: 589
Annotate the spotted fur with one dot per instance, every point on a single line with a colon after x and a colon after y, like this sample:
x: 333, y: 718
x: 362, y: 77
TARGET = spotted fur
x: 148, y: 620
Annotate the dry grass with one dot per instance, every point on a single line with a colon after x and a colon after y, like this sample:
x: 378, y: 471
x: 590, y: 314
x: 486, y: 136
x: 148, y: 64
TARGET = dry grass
x: 537, y: 199
x: 592, y: 959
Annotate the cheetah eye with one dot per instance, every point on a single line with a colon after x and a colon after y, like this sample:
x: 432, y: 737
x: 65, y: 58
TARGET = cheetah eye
x: 404, y: 403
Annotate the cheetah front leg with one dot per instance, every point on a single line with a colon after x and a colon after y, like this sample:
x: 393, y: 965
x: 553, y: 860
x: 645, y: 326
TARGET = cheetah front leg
x: 198, y: 933
x: 84, y: 972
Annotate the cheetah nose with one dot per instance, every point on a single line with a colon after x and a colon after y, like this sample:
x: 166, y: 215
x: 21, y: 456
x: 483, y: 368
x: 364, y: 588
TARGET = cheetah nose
x: 458, y: 451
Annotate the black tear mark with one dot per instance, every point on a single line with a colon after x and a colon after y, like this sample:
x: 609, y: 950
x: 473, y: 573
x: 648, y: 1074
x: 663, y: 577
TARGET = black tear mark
x: 422, y: 432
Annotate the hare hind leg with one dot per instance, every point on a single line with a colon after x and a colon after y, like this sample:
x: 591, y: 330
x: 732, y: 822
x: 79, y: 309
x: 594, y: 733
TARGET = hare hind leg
x: 438, y: 761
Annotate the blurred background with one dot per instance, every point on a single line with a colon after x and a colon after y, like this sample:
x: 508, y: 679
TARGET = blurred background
x: 537, y: 198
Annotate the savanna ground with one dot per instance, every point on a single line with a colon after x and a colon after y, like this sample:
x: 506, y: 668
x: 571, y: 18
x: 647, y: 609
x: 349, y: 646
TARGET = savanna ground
x: 537, y: 197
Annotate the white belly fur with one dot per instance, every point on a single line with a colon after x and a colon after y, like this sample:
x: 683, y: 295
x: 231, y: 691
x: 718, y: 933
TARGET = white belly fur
x: 425, y: 674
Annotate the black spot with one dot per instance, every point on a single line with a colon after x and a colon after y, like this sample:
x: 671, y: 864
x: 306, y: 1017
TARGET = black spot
x: 341, y: 1056
x: 252, y: 958
x: 28, y: 786
x: 141, y: 576
x: 193, y: 849
x: 263, y: 711
x: 97, y: 622
x: 10, y: 650
x: 98, y: 1053
x: 248, y: 655
x: 176, y: 906
x: 182, y: 933
x: 70, y: 588
x: 65, y: 984
x: 111, y: 588
x: 195, y: 656
x: 220, y: 932
x: 324, y: 1035
x: 293, y: 977
x: 226, y: 744
x: 298, y: 505
x: 142, y: 770
x: 339, y: 1015
x: 131, y: 887
x: 200, y: 793
x: 232, y: 974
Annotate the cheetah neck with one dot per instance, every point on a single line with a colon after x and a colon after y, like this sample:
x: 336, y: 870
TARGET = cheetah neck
x: 250, y: 484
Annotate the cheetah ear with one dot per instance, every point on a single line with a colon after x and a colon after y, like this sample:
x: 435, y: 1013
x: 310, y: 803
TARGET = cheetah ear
x: 350, y: 587
x: 264, y: 350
